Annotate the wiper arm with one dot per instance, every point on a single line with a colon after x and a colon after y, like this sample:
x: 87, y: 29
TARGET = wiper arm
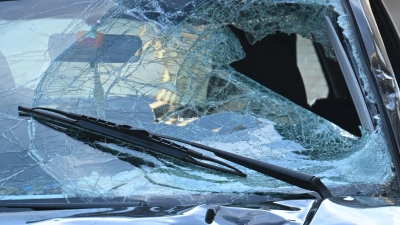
x: 293, y: 177
x: 162, y: 144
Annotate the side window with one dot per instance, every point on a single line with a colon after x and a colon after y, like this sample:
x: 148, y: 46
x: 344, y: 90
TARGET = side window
x: 311, y: 70
x: 327, y: 91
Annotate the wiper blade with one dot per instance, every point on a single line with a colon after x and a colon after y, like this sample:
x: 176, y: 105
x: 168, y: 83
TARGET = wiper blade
x: 163, y: 144
x: 126, y: 134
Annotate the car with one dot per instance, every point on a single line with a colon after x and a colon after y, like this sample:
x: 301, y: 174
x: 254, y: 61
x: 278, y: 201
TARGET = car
x: 199, y: 112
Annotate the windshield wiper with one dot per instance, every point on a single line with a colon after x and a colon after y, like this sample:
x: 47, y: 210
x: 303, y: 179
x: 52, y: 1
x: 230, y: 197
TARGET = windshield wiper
x: 126, y: 134
x: 166, y: 145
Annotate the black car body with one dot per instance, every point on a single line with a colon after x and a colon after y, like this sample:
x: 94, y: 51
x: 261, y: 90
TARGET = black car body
x: 220, y: 74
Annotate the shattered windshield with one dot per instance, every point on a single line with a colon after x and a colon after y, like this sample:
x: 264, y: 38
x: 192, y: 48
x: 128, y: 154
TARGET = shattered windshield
x: 170, y: 67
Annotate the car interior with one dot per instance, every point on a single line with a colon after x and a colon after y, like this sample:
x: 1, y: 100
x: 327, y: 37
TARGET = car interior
x: 272, y: 62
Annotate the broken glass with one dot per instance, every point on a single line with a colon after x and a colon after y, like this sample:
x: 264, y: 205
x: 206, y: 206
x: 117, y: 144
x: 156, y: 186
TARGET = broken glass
x: 165, y: 66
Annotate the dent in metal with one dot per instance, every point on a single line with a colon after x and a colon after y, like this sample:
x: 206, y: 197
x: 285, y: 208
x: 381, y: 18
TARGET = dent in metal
x: 336, y: 210
x: 356, y: 210
x: 291, y: 212
x: 285, y: 212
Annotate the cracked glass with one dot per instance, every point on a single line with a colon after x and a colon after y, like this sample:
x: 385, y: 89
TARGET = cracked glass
x: 167, y: 67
